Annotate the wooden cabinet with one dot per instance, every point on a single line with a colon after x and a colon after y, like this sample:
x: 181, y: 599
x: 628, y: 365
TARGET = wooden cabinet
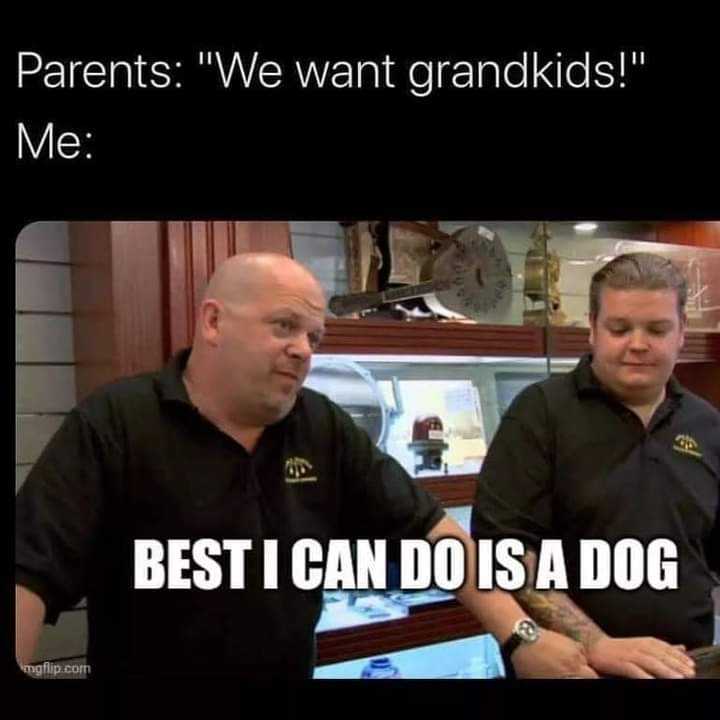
x: 118, y: 293
x: 697, y: 234
x: 194, y: 250
x: 136, y: 285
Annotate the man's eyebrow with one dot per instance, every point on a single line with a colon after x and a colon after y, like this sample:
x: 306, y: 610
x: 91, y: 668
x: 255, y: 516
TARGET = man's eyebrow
x: 294, y: 315
x: 626, y: 321
x: 285, y: 312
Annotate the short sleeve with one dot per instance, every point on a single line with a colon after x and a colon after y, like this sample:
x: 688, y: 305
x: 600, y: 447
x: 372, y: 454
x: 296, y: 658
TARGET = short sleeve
x: 382, y: 500
x: 514, y: 492
x: 57, y: 516
x: 714, y: 546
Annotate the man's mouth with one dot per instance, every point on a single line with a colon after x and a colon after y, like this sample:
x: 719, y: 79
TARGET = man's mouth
x: 288, y: 374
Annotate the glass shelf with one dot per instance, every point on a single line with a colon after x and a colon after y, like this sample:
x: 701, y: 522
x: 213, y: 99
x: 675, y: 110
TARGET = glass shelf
x: 476, y: 657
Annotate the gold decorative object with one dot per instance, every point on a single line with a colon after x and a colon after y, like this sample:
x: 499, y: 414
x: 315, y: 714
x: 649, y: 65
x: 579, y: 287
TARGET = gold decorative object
x: 536, y: 259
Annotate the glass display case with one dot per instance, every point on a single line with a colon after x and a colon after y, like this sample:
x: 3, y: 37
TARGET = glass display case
x: 434, y: 414
x: 535, y: 271
x: 429, y: 383
x: 472, y: 658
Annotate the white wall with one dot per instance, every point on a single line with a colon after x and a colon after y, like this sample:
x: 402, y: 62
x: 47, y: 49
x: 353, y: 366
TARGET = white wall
x: 321, y: 246
x: 45, y: 382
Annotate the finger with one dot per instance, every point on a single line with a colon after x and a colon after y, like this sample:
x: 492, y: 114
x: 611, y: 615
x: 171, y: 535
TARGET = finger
x: 683, y: 654
x: 672, y: 655
x: 685, y: 660
x: 664, y: 651
x: 631, y: 670
x: 587, y: 672
x: 660, y: 667
x: 679, y: 665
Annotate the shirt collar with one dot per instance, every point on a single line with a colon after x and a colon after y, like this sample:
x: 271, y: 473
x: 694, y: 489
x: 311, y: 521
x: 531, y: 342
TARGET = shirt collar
x: 171, y: 387
x: 169, y: 380
x: 587, y: 382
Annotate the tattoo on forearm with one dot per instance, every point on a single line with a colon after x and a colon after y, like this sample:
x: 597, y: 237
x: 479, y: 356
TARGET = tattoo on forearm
x: 555, y: 610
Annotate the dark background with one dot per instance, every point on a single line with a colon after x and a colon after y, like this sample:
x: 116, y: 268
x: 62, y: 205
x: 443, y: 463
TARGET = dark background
x: 649, y: 152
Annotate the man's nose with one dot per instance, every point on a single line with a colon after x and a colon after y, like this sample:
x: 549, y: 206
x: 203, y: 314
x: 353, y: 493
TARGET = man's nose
x: 300, y: 347
x: 639, y: 340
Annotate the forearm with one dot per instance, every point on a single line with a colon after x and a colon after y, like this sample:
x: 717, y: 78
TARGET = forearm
x: 498, y: 611
x: 551, y: 655
x: 555, y: 610
x: 29, y: 618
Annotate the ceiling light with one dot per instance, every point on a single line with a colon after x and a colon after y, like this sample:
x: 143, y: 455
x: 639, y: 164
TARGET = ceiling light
x: 585, y: 227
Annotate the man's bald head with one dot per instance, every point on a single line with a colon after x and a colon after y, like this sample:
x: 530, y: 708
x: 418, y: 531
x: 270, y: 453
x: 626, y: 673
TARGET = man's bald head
x: 244, y: 277
x: 261, y: 318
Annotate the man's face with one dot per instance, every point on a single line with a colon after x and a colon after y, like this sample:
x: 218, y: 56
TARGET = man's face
x: 266, y: 345
x: 636, y: 338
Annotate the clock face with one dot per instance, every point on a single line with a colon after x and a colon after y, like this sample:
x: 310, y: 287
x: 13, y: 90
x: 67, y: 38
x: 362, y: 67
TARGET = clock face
x: 476, y: 273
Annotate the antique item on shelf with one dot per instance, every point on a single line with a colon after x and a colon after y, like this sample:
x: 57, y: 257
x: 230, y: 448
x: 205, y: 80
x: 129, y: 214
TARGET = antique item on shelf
x: 535, y: 280
x: 428, y: 443
x: 480, y: 271
x: 380, y: 669
x: 362, y: 256
x: 413, y: 248
x: 353, y: 388
x: 382, y: 255
x: 471, y: 277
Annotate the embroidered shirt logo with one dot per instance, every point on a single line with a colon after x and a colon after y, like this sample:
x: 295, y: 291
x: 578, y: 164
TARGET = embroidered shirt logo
x: 297, y: 470
x: 687, y: 445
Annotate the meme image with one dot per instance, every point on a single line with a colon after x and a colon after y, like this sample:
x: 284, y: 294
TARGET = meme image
x: 396, y: 359
x: 410, y: 449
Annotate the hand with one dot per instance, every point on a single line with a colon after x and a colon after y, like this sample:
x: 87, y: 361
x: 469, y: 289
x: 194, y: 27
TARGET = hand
x: 551, y: 656
x: 640, y: 657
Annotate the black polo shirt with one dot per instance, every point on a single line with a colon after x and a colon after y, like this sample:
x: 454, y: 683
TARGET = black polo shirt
x: 570, y: 461
x: 137, y: 460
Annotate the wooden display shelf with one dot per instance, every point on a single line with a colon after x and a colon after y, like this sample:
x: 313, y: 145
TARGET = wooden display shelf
x: 450, y: 621
x: 431, y: 337
x: 451, y: 490
x: 572, y: 342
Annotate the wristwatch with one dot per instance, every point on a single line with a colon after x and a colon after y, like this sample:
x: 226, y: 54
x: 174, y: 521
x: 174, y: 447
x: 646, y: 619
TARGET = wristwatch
x: 525, y: 631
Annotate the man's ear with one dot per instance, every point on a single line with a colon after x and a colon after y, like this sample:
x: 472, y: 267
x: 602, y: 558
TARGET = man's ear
x: 593, y: 323
x: 683, y: 327
x: 210, y: 320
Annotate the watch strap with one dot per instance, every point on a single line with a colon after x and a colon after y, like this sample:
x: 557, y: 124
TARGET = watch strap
x: 510, y: 645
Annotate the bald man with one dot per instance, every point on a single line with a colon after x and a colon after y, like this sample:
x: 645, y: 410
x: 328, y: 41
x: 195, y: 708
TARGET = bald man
x: 222, y: 445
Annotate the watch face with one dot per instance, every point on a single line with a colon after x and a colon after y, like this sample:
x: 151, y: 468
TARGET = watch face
x: 527, y: 630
